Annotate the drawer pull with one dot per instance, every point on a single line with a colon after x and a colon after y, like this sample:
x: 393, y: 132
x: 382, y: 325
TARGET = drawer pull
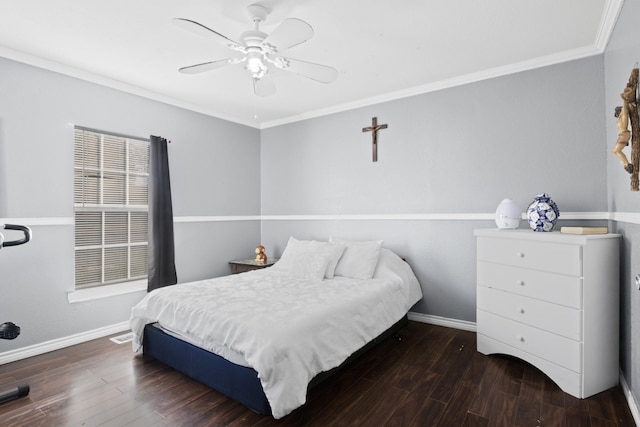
x: 520, y: 254
x: 522, y: 310
x: 520, y: 338
x: 521, y: 282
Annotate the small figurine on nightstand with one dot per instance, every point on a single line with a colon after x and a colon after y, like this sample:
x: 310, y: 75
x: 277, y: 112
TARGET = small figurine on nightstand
x: 261, y: 257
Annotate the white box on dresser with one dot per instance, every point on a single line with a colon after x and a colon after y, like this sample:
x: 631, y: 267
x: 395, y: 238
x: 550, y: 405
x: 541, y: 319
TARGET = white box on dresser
x: 551, y: 299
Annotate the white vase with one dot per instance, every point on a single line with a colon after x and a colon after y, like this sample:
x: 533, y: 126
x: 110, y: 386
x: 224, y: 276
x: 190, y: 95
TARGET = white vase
x: 508, y: 214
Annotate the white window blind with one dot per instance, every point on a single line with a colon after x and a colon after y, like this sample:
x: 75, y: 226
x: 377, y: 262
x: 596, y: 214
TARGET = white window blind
x: 111, y: 211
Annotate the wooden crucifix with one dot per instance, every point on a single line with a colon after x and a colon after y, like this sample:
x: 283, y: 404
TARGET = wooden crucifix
x: 630, y: 96
x: 374, y: 128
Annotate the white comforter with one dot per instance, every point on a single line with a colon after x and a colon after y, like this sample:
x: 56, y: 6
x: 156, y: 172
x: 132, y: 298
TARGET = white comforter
x: 287, y: 329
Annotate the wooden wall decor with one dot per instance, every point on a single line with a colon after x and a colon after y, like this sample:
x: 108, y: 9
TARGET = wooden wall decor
x: 374, y: 128
x: 629, y: 96
x: 628, y: 112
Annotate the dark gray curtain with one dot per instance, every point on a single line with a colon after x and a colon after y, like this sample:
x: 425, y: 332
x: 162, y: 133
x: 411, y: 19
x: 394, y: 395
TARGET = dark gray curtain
x: 162, y: 268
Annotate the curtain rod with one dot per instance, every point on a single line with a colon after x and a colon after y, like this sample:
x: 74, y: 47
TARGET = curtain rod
x: 121, y: 135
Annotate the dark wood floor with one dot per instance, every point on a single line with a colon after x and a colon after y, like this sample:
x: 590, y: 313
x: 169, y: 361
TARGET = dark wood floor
x: 425, y: 376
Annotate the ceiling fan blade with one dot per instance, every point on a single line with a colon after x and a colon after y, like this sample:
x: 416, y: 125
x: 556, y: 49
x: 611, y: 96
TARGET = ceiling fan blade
x: 311, y: 70
x: 291, y: 32
x: 264, y: 86
x: 208, y: 66
x: 201, y: 30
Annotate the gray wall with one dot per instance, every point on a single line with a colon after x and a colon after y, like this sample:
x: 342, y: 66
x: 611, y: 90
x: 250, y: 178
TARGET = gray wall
x: 445, y: 162
x: 446, y: 155
x: 214, y: 168
x: 621, y: 56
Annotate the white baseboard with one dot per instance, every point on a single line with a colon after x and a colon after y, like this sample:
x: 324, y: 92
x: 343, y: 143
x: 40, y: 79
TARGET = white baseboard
x: 442, y: 321
x: 471, y: 326
x: 57, y: 344
x: 37, y: 349
x: 631, y: 401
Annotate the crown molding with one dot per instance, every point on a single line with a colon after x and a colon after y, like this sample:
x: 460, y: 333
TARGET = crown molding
x: 540, y: 62
x: 88, y: 76
x: 609, y: 19
x: 610, y: 16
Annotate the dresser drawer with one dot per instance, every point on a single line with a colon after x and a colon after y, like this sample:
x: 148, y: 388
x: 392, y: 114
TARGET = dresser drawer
x: 554, y: 348
x: 568, y: 380
x: 553, y: 318
x: 544, y: 256
x: 551, y: 287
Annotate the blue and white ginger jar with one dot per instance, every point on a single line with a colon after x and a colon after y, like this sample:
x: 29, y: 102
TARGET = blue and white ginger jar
x: 543, y: 213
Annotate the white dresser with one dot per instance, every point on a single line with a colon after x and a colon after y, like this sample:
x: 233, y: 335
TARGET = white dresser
x: 551, y: 299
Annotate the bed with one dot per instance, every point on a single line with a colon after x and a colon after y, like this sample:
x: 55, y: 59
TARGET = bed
x: 262, y: 337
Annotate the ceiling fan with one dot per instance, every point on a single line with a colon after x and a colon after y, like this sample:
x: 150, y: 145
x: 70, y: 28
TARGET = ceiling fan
x: 260, y: 52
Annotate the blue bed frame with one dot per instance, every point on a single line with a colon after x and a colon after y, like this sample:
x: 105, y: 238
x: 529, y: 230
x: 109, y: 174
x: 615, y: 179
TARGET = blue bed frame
x: 237, y: 382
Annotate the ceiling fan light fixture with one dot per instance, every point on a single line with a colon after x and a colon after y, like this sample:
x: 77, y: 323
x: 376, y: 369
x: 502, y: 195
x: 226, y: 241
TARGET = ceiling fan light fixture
x: 255, y: 66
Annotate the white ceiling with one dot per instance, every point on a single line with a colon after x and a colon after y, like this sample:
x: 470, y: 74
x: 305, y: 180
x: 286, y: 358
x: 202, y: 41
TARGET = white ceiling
x: 382, y: 49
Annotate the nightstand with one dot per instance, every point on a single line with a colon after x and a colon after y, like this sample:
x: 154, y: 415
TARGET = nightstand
x: 249, y: 264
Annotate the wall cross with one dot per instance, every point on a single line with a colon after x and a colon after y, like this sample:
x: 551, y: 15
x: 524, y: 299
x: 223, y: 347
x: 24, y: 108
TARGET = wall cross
x: 374, y: 128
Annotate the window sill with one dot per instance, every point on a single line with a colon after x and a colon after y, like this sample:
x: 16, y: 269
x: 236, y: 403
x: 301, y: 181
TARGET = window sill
x: 106, y: 291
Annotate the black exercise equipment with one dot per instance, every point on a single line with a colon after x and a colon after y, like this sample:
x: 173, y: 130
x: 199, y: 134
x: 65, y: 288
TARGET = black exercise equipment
x: 9, y: 330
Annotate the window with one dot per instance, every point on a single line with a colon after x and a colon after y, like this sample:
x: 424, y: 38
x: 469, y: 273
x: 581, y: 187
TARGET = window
x: 111, y: 211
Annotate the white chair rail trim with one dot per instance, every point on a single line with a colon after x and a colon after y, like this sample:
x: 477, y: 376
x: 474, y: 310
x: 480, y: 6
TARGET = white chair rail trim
x: 625, y: 217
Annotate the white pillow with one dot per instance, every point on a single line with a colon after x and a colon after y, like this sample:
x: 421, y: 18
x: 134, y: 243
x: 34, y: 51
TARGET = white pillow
x: 335, y: 251
x: 293, y: 246
x: 303, y: 258
x: 359, y: 259
x: 308, y: 265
